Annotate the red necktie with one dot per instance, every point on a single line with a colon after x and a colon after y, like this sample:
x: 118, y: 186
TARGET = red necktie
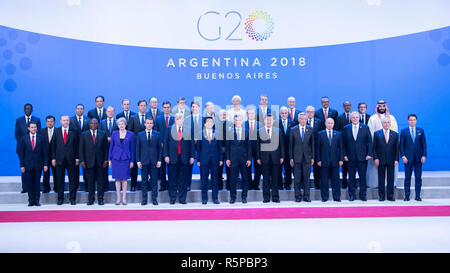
x: 292, y: 114
x: 386, y: 136
x: 179, y: 140
x: 65, y: 136
x: 325, y: 114
x: 32, y: 142
x: 251, y: 127
x: 167, y: 122
x: 93, y: 137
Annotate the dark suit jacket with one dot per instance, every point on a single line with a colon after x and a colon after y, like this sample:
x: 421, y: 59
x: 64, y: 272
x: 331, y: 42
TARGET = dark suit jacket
x: 317, y: 126
x: 74, y: 123
x: 158, y: 113
x: 331, y: 114
x: 160, y: 125
x: 295, y: 119
x: 237, y: 150
x: 44, y: 133
x: 209, y: 151
x: 299, y: 150
x: 260, y: 115
x: 367, y: 119
x: 22, y: 128
x: 122, y: 115
x: 33, y: 160
x: 70, y: 150
x: 149, y: 152
x: 171, y: 145
x: 329, y: 155
x: 285, y: 136
x: 89, y: 152
x: 187, y: 112
x: 359, y: 149
x: 386, y: 153
x: 342, y: 122
x: 104, y: 126
x: 134, y: 124
x: 413, y: 150
x: 94, y: 114
x: 270, y: 149
x: 196, y: 127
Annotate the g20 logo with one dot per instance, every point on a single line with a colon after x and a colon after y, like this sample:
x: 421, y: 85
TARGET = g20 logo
x: 258, y: 26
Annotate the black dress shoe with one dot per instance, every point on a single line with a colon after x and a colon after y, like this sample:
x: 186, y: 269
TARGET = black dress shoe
x: 337, y: 200
x: 172, y: 202
x: 37, y: 204
x: 73, y: 203
x: 45, y: 191
x: 244, y: 200
x: 232, y: 200
x: 391, y: 199
x: 183, y: 202
x: 406, y: 199
x: 418, y: 198
x: 90, y: 203
x: 60, y: 202
x: 30, y: 204
x: 204, y: 202
x: 298, y: 200
x: 143, y: 203
x: 363, y: 199
x: 163, y: 189
x: 306, y: 199
x: 352, y: 198
x: 276, y: 201
x: 324, y: 200
x: 155, y: 202
x: 256, y: 188
x: 24, y: 191
x: 101, y: 203
x: 216, y: 202
x: 266, y: 201
x: 381, y: 199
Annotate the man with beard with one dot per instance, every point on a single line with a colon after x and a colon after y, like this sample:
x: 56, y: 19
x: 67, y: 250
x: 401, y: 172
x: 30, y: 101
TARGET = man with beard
x: 375, y: 124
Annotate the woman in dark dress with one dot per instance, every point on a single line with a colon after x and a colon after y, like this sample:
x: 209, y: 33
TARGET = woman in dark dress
x: 121, y: 158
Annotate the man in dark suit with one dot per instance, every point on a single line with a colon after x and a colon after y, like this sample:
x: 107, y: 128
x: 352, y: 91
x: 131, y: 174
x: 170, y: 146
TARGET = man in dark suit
x: 154, y: 111
x: 137, y: 125
x: 179, y: 153
x: 253, y: 126
x: 195, y: 122
x: 126, y: 113
x: 413, y: 150
x: 385, y: 155
x: 238, y: 158
x: 47, y: 133
x: 301, y: 154
x: 285, y: 126
x: 81, y: 122
x: 329, y: 156
x: 181, y: 108
x: 364, y: 117
x: 65, y: 157
x: 357, y: 143
x: 148, y: 158
x: 264, y: 109
x: 209, y: 157
x: 270, y: 153
x: 292, y: 112
x: 222, y: 126
x: 21, y: 130
x: 162, y: 124
x: 94, y: 159
x: 342, y: 121
x: 326, y: 112
x: 33, y: 155
x: 316, y: 125
x: 99, y: 112
x: 108, y: 125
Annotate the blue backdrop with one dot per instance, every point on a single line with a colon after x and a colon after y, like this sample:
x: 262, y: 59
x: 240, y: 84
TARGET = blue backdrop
x: 411, y: 72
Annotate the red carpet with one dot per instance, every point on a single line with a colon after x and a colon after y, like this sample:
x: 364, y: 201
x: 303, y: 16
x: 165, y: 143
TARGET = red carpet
x: 221, y: 214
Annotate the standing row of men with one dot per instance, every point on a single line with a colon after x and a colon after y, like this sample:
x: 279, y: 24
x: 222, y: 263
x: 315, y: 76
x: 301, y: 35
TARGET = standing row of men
x: 272, y: 142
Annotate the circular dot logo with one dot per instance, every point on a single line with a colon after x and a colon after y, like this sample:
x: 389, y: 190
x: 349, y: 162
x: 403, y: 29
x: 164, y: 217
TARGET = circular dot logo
x: 250, y: 25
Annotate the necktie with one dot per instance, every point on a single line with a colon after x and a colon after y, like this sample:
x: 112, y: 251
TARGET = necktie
x: 154, y: 114
x: 32, y: 142
x: 50, y: 135
x: 100, y: 114
x: 93, y: 137
x: 346, y: 117
x: 386, y: 137
x: 179, y: 140
x: 251, y: 127
x: 142, y: 121
x: 329, y: 137
x: 413, y: 134
x: 126, y: 115
x: 167, y: 122
x: 268, y: 134
x: 149, y: 136
x: 303, y: 134
x: 28, y: 120
x: 310, y: 123
x: 209, y: 137
x: 325, y: 114
x: 65, y: 136
x: 292, y: 114
x: 355, y: 132
x: 109, y: 126
x: 285, y: 126
x: 79, y: 123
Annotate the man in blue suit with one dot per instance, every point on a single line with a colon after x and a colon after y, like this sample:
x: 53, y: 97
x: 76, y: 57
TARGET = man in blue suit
x: 179, y: 153
x: 161, y: 125
x: 22, y: 130
x: 154, y: 111
x: 148, y: 158
x: 385, y: 154
x: 413, y: 150
x: 209, y: 158
x: 126, y: 113
x: 99, y: 111
x: 252, y: 126
x: 108, y: 125
x: 33, y: 156
x: 357, y: 143
x: 329, y: 157
x: 326, y: 112
x: 285, y: 126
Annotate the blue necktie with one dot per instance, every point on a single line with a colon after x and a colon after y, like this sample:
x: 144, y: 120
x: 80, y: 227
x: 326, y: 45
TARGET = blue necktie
x: 303, y: 134
x: 142, y: 122
x: 329, y: 137
x: 79, y: 122
x: 109, y: 126
x: 413, y: 135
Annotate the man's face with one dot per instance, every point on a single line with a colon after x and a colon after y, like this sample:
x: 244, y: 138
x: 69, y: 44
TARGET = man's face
x: 251, y: 114
x: 386, y: 124
x: 210, y: 109
x: 28, y: 110
x: 284, y: 114
x: 291, y: 103
x: 222, y: 115
x: 181, y: 104
x: 179, y: 121
x: 362, y: 109
x: 325, y: 102
x: 209, y: 124
x: 302, y: 120
x: 238, y: 122
x: 310, y: 113
x: 166, y: 109
x: 110, y: 112
x: 269, y: 122
x: 154, y: 103
x: 126, y: 105
x: 412, y: 121
x: 99, y: 102
x: 264, y: 101
x: 65, y: 121
x: 32, y: 128
x: 149, y: 124
x: 381, y: 108
x: 79, y: 110
x: 142, y: 107
x: 329, y: 124
x: 355, y: 119
x: 195, y: 108
x: 93, y: 124
x: 50, y: 123
x: 347, y: 107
